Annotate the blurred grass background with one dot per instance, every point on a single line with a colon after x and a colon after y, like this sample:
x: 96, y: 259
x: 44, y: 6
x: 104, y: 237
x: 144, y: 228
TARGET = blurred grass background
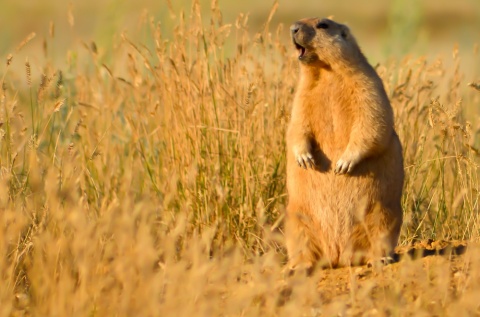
x: 80, y: 40
x: 384, y: 28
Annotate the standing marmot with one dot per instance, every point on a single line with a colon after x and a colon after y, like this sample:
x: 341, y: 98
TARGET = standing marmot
x: 344, y: 161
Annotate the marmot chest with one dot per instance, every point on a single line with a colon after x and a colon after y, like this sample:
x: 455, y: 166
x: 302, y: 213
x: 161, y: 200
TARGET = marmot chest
x: 330, y: 119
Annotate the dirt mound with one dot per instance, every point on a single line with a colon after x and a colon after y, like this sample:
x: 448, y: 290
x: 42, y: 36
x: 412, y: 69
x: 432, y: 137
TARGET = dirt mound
x: 426, y: 277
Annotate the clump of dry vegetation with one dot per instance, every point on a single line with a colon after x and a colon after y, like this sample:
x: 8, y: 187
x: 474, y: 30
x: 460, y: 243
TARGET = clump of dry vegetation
x: 150, y: 182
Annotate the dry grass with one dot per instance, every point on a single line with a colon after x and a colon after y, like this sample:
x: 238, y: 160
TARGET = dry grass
x: 151, y: 183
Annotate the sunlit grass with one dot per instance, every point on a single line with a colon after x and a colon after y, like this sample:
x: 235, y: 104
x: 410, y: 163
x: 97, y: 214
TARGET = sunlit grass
x: 153, y: 182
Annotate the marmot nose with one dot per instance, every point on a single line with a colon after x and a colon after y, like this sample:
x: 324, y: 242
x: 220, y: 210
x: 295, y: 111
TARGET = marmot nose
x: 295, y: 27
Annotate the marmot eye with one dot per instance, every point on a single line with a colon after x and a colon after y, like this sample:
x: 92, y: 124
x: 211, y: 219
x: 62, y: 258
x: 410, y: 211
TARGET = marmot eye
x: 322, y: 25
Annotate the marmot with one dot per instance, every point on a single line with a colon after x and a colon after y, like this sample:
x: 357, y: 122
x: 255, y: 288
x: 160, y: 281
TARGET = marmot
x: 344, y: 162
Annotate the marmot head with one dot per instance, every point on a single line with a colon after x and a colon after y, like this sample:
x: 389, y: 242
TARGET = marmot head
x: 324, y: 42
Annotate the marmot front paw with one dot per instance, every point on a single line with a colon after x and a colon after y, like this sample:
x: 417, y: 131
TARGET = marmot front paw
x: 304, y: 158
x: 346, y: 164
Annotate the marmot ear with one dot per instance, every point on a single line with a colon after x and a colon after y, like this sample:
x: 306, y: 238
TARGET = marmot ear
x: 344, y: 31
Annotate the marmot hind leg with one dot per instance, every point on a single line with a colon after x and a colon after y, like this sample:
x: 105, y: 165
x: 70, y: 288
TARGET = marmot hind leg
x: 301, y: 253
x: 374, y: 238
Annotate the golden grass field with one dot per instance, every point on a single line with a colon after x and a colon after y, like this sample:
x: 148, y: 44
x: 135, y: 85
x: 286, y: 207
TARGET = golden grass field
x: 147, y: 178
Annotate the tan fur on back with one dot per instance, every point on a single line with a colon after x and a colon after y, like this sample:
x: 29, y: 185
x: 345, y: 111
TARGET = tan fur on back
x: 345, y: 209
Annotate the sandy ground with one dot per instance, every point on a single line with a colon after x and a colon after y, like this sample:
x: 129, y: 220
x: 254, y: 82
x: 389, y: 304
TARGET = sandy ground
x: 431, y: 278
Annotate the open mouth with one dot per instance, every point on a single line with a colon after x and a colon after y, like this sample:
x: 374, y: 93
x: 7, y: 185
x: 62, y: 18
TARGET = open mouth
x: 301, y: 50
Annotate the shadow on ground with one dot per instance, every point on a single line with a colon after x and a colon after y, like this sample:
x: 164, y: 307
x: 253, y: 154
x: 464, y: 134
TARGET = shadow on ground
x: 430, y: 247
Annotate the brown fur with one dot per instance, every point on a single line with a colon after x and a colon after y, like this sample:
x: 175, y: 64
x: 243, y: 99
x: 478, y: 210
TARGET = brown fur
x: 344, y: 161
